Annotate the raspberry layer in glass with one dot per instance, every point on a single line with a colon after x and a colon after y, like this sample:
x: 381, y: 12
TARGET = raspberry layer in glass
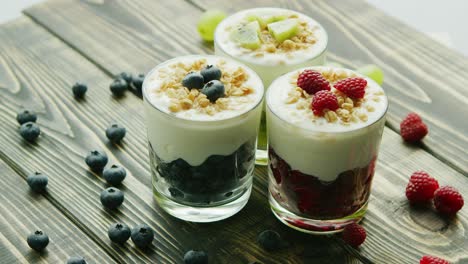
x: 321, y: 166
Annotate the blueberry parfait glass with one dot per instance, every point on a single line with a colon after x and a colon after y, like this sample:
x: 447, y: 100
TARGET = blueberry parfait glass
x: 202, y: 116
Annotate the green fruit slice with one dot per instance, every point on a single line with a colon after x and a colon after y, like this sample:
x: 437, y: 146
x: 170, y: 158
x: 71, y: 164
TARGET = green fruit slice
x: 264, y: 20
x: 248, y: 35
x: 283, y: 30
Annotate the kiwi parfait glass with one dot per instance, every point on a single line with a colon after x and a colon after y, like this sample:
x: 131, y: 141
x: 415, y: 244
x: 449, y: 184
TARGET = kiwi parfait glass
x: 202, y: 117
x: 271, y: 41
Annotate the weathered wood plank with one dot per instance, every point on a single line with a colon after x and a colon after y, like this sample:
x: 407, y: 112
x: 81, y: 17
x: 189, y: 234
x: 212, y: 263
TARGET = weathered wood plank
x: 385, y: 243
x: 37, y: 71
x: 421, y: 74
x: 22, y: 212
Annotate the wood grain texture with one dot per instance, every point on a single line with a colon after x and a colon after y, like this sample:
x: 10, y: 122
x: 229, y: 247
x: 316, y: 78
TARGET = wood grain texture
x: 397, y: 234
x: 23, y: 211
x: 38, y: 71
x: 421, y: 75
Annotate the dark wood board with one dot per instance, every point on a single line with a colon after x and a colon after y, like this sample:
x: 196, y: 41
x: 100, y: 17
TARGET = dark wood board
x: 23, y: 212
x: 37, y: 72
x: 420, y: 74
x: 73, y: 128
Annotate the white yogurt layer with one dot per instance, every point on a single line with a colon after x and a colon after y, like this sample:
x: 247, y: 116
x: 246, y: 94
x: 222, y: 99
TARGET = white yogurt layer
x: 315, y: 146
x: 270, y: 65
x: 193, y: 135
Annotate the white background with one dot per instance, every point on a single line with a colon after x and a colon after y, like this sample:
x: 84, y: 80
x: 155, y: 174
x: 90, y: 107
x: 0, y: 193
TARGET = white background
x: 444, y: 20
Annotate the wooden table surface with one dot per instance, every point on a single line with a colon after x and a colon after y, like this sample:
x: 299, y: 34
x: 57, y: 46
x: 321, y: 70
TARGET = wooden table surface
x: 60, y: 42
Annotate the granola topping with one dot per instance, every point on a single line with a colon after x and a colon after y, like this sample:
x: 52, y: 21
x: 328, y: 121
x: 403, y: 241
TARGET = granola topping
x: 296, y: 103
x: 239, y: 84
x: 308, y: 40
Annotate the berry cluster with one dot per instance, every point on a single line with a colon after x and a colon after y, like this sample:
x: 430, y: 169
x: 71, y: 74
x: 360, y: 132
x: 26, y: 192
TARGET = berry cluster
x: 125, y: 81
x: 314, y: 83
x: 422, y: 188
x: 208, y: 80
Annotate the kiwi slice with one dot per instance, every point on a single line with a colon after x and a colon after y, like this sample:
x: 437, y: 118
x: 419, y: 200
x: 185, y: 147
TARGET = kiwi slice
x: 264, y: 20
x: 283, y: 30
x: 247, y: 35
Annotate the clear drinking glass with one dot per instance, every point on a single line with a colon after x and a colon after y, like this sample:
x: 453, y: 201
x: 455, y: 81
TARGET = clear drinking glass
x: 201, y: 169
x: 320, y: 175
x: 269, y: 65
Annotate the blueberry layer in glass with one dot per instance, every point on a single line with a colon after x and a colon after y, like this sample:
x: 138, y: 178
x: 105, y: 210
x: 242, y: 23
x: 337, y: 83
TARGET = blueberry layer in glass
x: 219, y: 179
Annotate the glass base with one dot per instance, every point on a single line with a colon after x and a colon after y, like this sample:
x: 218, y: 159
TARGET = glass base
x: 314, y: 226
x: 261, y: 157
x: 202, y: 214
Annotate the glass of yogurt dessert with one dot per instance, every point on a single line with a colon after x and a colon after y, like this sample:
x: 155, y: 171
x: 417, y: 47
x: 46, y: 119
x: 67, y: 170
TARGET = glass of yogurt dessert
x: 271, y: 41
x: 325, y: 126
x: 202, y: 115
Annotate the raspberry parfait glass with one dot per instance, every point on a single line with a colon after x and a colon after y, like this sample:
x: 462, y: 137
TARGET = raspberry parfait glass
x: 271, y: 41
x: 322, y: 161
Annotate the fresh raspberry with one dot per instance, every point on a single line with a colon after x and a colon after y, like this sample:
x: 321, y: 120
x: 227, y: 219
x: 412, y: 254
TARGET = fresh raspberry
x: 354, y: 87
x: 432, y: 260
x: 447, y: 200
x: 412, y: 128
x: 324, y: 100
x: 312, y: 82
x: 421, y: 187
x: 354, y: 234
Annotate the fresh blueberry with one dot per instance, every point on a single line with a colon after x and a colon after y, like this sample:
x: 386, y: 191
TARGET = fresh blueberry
x: 213, y: 90
x: 96, y: 160
x: 30, y: 131
x: 118, y: 87
x: 76, y: 260
x: 79, y: 90
x: 115, y: 133
x: 37, y: 182
x: 114, y: 175
x: 126, y: 76
x: 269, y: 240
x: 119, y: 233
x: 26, y: 116
x: 112, y: 198
x: 193, y: 80
x: 137, y: 82
x: 38, y: 240
x: 195, y: 257
x: 142, y: 236
x: 210, y: 73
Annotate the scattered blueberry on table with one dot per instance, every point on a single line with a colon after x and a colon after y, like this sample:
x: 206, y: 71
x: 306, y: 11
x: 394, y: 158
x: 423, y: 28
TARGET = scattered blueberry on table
x: 137, y: 82
x: 79, y: 90
x: 30, y: 131
x: 128, y: 77
x: 115, y: 133
x: 76, y: 260
x: 193, y: 80
x: 142, y: 236
x: 270, y: 240
x: 38, y: 240
x: 37, y: 182
x: 118, y: 87
x: 211, y: 72
x: 114, y: 175
x: 213, y: 90
x: 26, y: 116
x: 195, y: 257
x: 96, y: 160
x: 112, y: 198
x: 119, y: 233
